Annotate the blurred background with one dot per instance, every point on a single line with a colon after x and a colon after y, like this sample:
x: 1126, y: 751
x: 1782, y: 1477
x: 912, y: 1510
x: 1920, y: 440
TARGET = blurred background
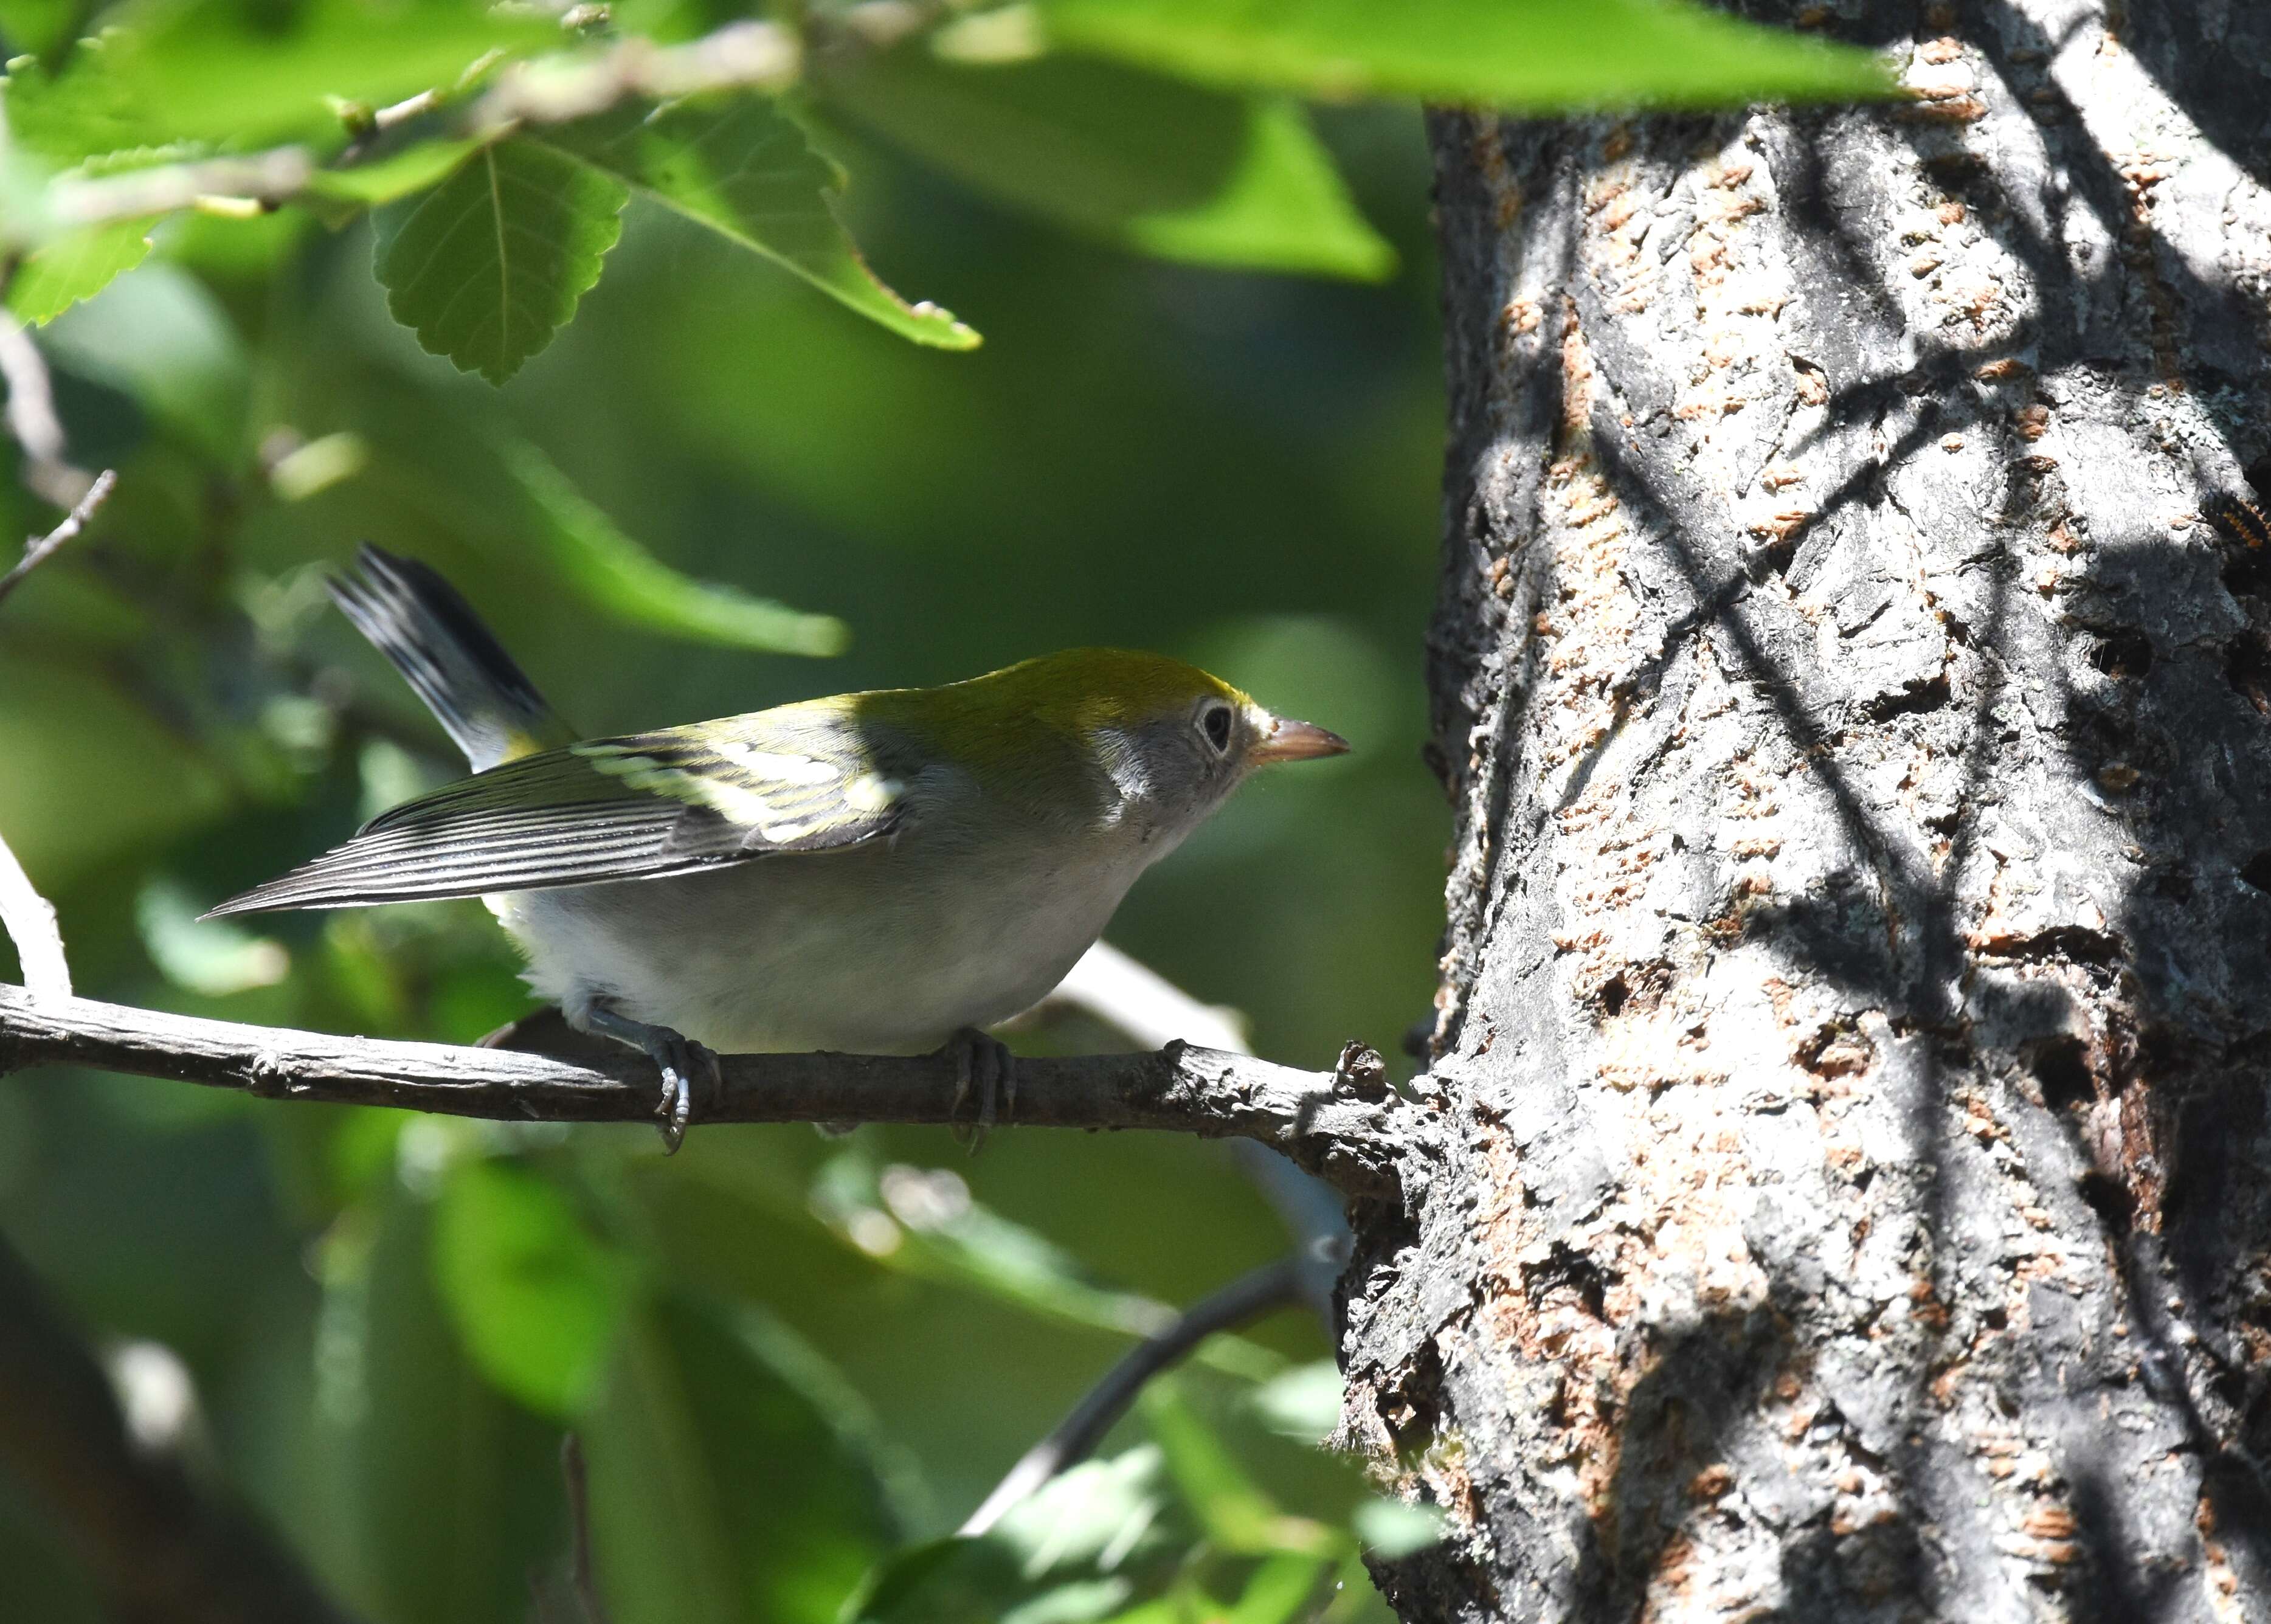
x: 787, y: 1356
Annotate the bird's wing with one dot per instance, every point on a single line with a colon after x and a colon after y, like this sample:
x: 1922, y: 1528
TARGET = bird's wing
x: 637, y: 807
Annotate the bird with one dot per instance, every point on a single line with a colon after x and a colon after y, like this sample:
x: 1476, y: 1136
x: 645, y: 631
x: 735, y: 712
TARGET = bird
x: 884, y: 872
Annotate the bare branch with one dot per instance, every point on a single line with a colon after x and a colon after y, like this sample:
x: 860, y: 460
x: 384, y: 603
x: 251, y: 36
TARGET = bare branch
x: 1250, y: 1297
x: 273, y: 176
x: 29, y: 919
x: 1347, y: 1129
x: 1132, y: 997
x: 39, y: 549
x: 744, y: 55
x: 31, y: 419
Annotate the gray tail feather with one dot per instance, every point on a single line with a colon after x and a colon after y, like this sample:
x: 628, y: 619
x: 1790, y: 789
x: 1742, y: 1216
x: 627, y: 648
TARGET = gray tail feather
x: 432, y: 636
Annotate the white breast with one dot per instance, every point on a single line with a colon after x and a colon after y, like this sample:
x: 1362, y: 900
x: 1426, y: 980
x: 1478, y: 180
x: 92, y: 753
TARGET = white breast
x: 879, y: 949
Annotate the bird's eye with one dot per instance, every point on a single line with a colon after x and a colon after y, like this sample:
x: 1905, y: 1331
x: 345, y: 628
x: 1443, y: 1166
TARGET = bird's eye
x: 1215, y: 723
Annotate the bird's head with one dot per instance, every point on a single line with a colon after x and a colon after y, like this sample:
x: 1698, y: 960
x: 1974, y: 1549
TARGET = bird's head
x: 1173, y: 740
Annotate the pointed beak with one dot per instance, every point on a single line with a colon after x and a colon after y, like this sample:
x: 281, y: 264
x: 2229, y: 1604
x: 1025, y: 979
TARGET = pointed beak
x: 1291, y: 741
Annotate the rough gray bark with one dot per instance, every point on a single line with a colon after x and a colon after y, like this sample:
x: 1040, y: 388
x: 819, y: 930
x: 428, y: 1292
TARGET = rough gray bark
x: 1854, y: 1192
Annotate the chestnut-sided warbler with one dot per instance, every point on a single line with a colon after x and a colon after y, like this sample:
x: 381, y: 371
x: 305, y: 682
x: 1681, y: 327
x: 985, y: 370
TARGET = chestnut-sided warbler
x: 882, y: 872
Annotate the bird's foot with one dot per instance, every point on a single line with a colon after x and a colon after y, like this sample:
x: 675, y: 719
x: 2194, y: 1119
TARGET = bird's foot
x: 983, y: 1063
x: 679, y: 1059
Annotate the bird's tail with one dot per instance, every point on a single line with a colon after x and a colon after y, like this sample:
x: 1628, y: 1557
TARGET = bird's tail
x: 431, y: 634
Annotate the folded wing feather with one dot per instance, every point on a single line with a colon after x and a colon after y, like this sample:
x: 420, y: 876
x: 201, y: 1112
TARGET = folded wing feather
x: 640, y: 806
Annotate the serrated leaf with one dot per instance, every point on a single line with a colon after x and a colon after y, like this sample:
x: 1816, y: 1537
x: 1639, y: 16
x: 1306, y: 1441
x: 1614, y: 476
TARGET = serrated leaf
x: 1134, y: 158
x: 1533, y: 56
x: 722, y: 1489
x: 485, y: 267
x: 536, y: 1301
x: 742, y: 168
x: 614, y: 573
x: 77, y: 264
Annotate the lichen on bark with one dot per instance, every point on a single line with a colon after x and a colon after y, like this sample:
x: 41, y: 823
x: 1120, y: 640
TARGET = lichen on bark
x: 1852, y: 1194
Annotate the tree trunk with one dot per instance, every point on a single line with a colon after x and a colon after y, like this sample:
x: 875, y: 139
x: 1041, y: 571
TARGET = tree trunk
x: 1854, y: 1191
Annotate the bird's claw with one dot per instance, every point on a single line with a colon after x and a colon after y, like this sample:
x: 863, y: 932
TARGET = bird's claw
x: 679, y: 1059
x: 985, y: 1063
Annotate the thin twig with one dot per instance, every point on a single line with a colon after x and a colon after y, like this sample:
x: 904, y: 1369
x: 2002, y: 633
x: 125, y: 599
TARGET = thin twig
x: 742, y: 55
x: 1345, y: 1129
x: 29, y: 919
x: 1250, y: 1297
x: 33, y: 421
x: 579, y: 1530
x: 39, y: 549
x: 274, y: 176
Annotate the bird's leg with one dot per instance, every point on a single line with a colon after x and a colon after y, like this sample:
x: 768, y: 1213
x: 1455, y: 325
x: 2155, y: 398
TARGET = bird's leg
x: 985, y: 1063
x: 678, y: 1058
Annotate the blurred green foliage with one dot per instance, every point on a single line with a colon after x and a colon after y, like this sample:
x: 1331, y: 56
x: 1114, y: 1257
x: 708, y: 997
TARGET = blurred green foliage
x: 796, y: 1363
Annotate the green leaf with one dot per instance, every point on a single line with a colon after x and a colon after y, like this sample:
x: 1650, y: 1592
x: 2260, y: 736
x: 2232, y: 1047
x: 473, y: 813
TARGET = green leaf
x: 448, y: 1493
x: 1277, y: 1589
x: 1138, y: 160
x: 614, y: 573
x: 745, y: 170
x: 1230, y: 1506
x: 397, y: 175
x: 1082, y: 1548
x: 722, y: 1489
x: 211, y: 957
x: 35, y: 25
x: 485, y: 267
x: 1532, y: 56
x: 249, y: 73
x: 1304, y: 1404
x: 536, y: 1300
x: 75, y: 265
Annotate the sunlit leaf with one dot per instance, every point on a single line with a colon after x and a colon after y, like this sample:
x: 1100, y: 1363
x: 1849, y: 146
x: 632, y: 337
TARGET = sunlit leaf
x: 721, y: 1490
x: 538, y: 1301
x: 1146, y: 161
x: 1304, y: 1404
x: 249, y: 73
x: 211, y: 957
x: 614, y: 573
x: 745, y: 170
x: 1530, y: 55
x: 487, y: 266
x: 75, y: 265
x: 1083, y: 1549
x: 413, y: 169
